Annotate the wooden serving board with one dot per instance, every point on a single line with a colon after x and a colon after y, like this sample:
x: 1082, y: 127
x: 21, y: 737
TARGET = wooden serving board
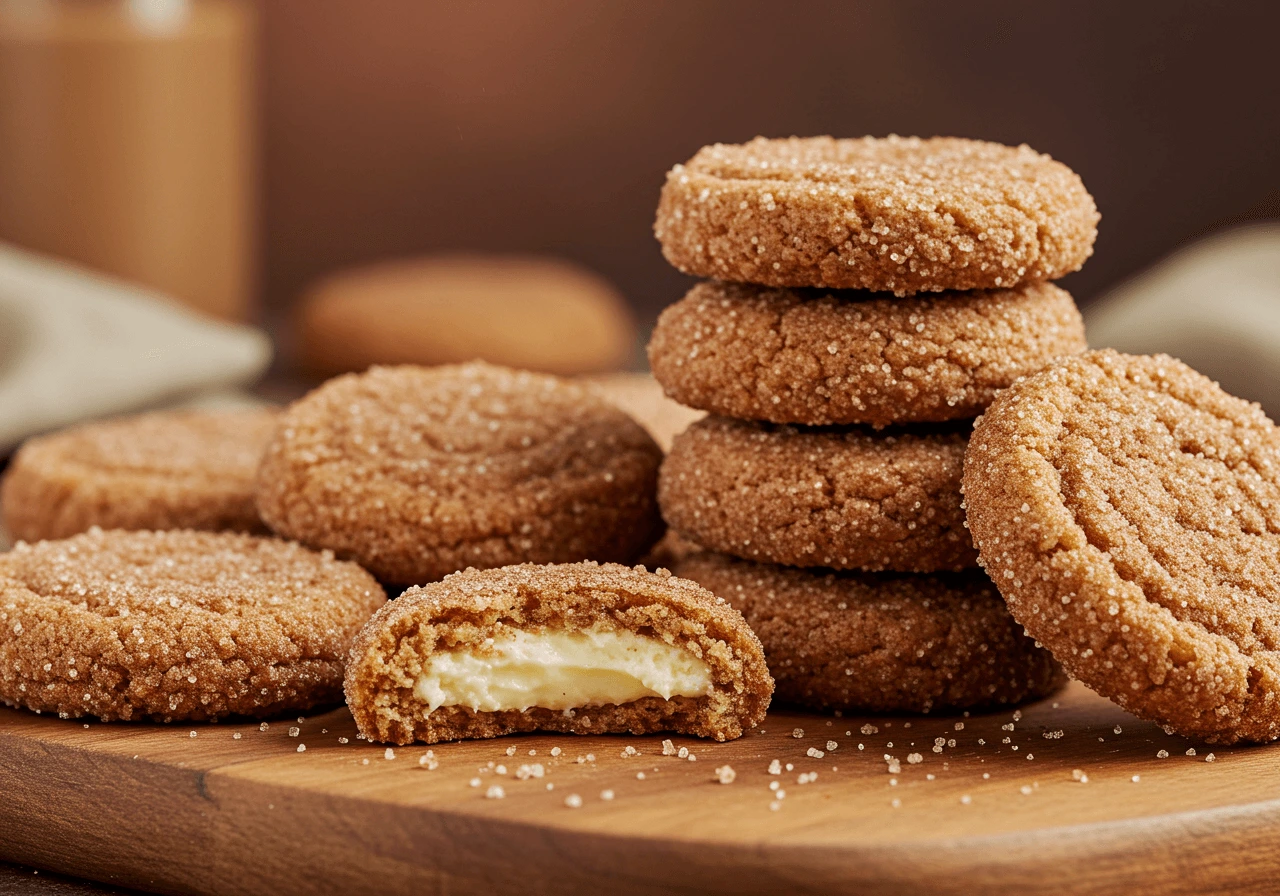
x: 233, y: 808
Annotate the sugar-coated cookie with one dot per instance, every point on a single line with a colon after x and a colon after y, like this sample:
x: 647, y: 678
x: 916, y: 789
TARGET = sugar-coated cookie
x: 163, y: 470
x: 881, y: 643
x: 417, y: 472
x: 176, y: 625
x: 582, y: 648
x: 815, y: 357
x: 1129, y: 511
x: 839, y: 498
x: 896, y: 214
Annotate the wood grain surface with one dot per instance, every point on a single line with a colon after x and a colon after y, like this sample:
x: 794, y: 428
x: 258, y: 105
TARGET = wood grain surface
x: 233, y: 808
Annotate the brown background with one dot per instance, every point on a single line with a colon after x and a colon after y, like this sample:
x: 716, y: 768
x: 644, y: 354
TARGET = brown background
x: 401, y: 126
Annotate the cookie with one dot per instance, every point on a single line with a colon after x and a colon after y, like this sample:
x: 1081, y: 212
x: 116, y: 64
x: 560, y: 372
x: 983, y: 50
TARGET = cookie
x: 418, y: 472
x: 176, y: 625
x: 844, y: 499
x: 1129, y: 511
x: 640, y: 396
x: 804, y: 356
x: 896, y: 214
x: 878, y: 642
x: 580, y: 648
x: 535, y: 313
x: 164, y: 470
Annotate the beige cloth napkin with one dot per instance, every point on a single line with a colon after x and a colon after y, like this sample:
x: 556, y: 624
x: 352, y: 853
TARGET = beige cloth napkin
x: 75, y: 345
x: 1215, y: 304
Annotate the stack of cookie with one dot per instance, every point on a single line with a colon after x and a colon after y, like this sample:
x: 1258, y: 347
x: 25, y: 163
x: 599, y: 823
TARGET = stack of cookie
x: 869, y: 299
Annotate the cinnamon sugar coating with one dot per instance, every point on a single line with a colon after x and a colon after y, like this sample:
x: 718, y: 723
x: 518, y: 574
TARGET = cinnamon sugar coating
x: 844, y: 499
x: 804, y: 356
x: 895, y: 214
x: 176, y: 625
x: 163, y: 470
x: 1129, y: 511
x: 417, y: 472
x: 881, y: 643
x: 468, y: 607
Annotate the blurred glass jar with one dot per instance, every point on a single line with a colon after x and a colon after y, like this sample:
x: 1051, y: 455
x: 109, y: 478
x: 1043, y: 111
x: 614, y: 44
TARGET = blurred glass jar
x: 126, y: 141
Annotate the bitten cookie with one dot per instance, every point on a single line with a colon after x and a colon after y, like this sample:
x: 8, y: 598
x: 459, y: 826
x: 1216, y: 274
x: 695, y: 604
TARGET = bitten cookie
x: 581, y: 648
x: 164, y: 470
x: 418, y: 472
x: 1129, y: 511
x: 176, y: 625
x: 804, y: 356
x: 896, y: 214
x: 845, y: 499
x: 542, y: 314
x: 881, y: 643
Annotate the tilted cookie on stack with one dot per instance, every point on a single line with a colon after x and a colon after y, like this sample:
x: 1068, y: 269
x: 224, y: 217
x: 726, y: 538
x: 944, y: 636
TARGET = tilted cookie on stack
x: 869, y: 298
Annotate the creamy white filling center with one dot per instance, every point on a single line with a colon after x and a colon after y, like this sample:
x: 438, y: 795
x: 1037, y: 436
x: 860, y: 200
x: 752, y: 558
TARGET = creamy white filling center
x: 560, y: 670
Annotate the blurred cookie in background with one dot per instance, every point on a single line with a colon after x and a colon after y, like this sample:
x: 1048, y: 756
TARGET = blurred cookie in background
x: 640, y: 396
x: 527, y: 312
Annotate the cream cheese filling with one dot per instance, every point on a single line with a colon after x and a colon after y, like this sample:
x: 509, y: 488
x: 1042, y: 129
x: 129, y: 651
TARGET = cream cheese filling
x: 560, y: 670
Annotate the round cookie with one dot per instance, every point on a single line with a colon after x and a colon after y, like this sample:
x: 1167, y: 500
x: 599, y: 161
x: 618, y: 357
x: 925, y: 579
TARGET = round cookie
x: 480, y: 610
x: 895, y: 214
x: 881, y: 643
x: 844, y: 499
x: 176, y: 625
x: 1129, y: 511
x: 164, y: 470
x: 529, y: 312
x: 802, y: 356
x: 418, y: 472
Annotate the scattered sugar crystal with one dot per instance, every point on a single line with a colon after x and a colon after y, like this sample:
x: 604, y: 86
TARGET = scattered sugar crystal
x: 775, y: 806
x: 775, y: 767
x: 511, y: 751
x: 263, y: 727
x: 725, y: 774
x: 193, y: 734
x: 789, y: 766
x: 914, y: 758
x: 692, y: 758
x: 668, y: 748
x: 302, y: 748
x: 797, y: 732
x: 959, y: 726
x: 639, y: 776
x: 966, y: 799
x: 500, y: 770
x: 1210, y: 757
x: 236, y: 736
x: 556, y: 751
x: 1053, y: 735
x: 1162, y: 754
x: 573, y: 801
x: 869, y: 729
x: 1078, y: 775
x: 389, y: 754
x: 429, y: 761
x: 343, y: 740
x: 1191, y: 751
x: 474, y: 782
x: 1025, y: 790
x: 495, y: 792
x: 629, y: 752
x: 1136, y: 778
x: 295, y: 731
x: 831, y: 745
x: 814, y: 753
x: 683, y: 753
x: 532, y: 770
x: 1118, y: 730
x: 606, y: 795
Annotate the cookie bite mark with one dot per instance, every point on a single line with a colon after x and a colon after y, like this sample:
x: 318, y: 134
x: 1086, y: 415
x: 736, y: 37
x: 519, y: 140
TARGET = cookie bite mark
x: 580, y: 648
x: 881, y: 643
x: 1129, y: 511
x: 163, y: 470
x: 837, y: 498
x: 176, y: 625
x: 816, y: 358
x: 897, y: 214
x: 418, y: 472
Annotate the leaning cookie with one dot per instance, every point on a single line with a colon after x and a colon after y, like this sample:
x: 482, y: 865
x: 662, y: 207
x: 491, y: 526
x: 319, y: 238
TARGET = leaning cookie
x: 881, y: 643
x: 176, y: 625
x: 417, y: 472
x: 812, y: 357
x: 1129, y: 511
x: 839, y: 498
x: 163, y: 470
x: 580, y: 648
x: 901, y: 215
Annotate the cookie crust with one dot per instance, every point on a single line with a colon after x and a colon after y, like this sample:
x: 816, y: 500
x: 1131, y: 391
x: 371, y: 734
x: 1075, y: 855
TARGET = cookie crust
x: 838, y: 498
x: 894, y: 214
x: 176, y: 625
x: 881, y: 643
x: 418, y: 472
x: 163, y: 470
x: 1129, y: 511
x: 469, y: 606
x: 815, y: 358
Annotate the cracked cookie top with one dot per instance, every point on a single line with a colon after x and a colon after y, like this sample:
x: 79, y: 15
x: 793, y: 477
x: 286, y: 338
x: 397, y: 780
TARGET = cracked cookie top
x: 817, y: 358
x: 417, y: 472
x: 896, y: 214
x: 176, y: 625
x: 1129, y: 511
